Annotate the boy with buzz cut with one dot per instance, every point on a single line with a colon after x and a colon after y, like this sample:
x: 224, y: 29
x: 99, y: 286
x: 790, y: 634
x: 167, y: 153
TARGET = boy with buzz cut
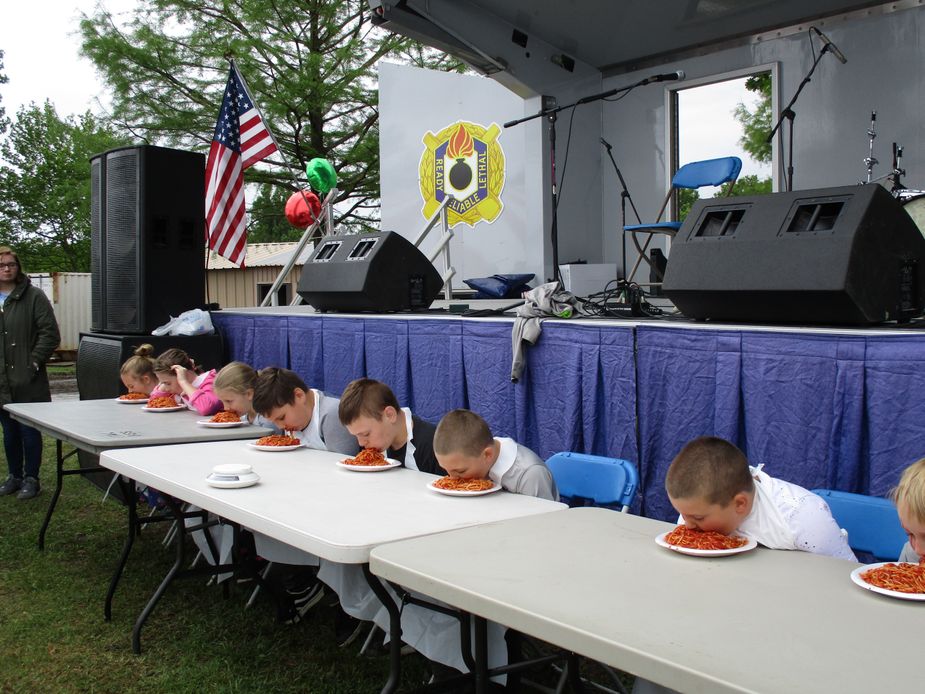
x: 466, y: 449
x: 370, y: 411
x: 712, y: 486
x: 309, y: 415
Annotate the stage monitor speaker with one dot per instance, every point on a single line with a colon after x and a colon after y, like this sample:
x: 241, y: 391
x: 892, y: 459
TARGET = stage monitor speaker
x: 147, y: 229
x: 99, y: 360
x: 368, y: 272
x: 848, y: 255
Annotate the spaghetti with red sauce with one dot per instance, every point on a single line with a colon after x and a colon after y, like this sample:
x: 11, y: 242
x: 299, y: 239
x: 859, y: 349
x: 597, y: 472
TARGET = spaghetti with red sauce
x: 689, y: 538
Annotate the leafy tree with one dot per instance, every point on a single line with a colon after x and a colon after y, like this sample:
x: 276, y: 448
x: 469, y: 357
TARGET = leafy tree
x: 4, y: 121
x: 45, y: 186
x: 756, y: 124
x: 747, y: 185
x: 267, y: 220
x: 310, y: 67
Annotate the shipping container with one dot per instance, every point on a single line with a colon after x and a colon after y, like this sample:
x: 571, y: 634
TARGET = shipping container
x: 69, y: 293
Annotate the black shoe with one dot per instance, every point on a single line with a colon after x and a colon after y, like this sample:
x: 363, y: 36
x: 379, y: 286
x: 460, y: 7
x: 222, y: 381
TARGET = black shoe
x: 10, y: 485
x: 30, y: 488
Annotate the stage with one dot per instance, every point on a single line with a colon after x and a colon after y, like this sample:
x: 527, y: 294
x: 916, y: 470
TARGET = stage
x: 822, y: 407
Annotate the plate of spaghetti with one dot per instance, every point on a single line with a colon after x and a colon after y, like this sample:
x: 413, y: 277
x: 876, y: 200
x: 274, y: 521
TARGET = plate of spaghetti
x: 222, y: 420
x: 132, y: 399
x: 276, y: 443
x: 704, y: 543
x: 901, y: 580
x: 453, y: 486
x: 163, y: 404
x: 368, y: 460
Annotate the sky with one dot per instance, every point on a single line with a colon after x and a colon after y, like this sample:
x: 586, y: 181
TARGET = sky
x: 41, y: 45
x: 42, y: 61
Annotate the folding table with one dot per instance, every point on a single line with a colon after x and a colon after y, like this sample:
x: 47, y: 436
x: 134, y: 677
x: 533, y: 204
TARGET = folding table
x: 594, y: 582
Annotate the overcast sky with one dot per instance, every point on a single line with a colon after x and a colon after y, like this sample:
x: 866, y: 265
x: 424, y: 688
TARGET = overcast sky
x: 41, y: 45
x: 42, y: 61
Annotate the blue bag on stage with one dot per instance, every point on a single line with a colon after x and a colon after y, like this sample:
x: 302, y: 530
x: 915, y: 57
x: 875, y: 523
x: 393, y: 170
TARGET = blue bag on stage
x: 500, y: 286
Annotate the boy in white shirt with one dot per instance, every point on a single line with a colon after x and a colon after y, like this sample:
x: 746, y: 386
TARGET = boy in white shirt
x: 712, y: 486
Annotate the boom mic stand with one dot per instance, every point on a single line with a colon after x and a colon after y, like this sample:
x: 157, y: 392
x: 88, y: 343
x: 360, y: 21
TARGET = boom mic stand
x: 624, y: 196
x: 789, y: 114
x: 550, y: 114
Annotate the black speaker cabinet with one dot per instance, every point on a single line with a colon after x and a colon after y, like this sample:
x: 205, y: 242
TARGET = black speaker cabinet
x: 99, y: 359
x: 368, y: 272
x: 848, y: 255
x: 147, y: 230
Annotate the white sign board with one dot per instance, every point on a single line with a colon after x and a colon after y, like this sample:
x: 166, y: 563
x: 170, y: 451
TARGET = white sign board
x: 441, y: 135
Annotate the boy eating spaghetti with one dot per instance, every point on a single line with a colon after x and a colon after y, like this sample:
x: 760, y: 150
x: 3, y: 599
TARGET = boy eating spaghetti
x: 712, y: 486
x: 309, y: 415
x: 370, y: 411
x: 909, y: 497
x: 466, y: 449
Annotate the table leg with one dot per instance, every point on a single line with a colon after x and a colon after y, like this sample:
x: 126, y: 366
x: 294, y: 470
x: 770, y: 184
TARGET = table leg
x: 57, y: 493
x: 481, y: 654
x: 168, y: 579
x: 128, y: 493
x: 394, y: 629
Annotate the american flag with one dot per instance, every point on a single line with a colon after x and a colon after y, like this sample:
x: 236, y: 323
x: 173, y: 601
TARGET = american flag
x: 241, y: 139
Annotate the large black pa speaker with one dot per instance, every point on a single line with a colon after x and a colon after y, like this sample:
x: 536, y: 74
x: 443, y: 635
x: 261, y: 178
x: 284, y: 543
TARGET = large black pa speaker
x: 368, y: 272
x: 147, y: 231
x: 99, y: 360
x: 848, y: 255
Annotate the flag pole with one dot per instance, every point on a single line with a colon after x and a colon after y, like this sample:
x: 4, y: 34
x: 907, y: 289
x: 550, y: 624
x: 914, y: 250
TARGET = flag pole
x: 295, y: 183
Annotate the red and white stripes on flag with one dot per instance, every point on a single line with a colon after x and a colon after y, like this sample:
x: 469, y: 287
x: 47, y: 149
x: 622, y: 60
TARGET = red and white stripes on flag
x: 241, y: 139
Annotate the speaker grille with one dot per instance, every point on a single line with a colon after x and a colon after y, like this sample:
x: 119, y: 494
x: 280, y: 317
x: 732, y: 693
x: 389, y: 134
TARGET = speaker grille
x: 122, y: 253
x: 97, y: 246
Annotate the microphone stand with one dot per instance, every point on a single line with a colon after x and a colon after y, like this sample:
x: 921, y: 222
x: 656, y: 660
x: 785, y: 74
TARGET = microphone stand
x: 624, y: 196
x: 789, y: 114
x: 550, y: 114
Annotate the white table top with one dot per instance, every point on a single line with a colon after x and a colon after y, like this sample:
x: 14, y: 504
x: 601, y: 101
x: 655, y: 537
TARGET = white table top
x: 594, y: 581
x: 95, y: 425
x: 305, y: 500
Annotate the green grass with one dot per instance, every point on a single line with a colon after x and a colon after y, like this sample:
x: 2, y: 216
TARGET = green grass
x: 53, y: 637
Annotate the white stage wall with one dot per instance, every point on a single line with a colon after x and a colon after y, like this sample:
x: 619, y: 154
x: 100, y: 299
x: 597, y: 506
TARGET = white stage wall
x: 413, y: 102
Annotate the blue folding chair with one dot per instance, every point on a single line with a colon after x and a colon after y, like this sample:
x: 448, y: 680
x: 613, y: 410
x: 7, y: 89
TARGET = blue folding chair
x: 871, y: 522
x: 696, y: 174
x: 593, y: 480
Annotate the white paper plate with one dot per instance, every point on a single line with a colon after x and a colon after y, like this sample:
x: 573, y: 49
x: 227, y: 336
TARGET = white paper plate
x: 369, y: 468
x: 237, y: 483
x: 856, y: 577
x: 163, y: 409
x: 454, y: 492
x: 750, y: 545
x: 138, y: 401
x: 274, y: 449
x: 219, y: 425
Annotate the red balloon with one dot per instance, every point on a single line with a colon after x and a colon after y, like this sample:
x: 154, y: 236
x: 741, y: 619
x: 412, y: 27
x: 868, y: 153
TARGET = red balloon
x: 300, y: 214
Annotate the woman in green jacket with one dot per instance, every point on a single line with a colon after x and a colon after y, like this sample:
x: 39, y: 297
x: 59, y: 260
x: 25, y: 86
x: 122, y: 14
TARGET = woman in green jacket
x: 28, y: 336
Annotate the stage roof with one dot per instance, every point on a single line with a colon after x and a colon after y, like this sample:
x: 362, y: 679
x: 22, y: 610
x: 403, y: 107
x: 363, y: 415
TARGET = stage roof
x: 604, y: 36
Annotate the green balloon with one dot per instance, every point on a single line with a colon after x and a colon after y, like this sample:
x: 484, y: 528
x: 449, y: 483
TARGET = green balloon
x: 321, y: 175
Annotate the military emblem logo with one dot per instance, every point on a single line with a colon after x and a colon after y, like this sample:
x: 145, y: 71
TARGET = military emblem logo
x: 463, y: 162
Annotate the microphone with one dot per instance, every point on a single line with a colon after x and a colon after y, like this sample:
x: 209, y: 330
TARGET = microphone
x: 833, y: 49
x: 606, y: 144
x: 666, y: 77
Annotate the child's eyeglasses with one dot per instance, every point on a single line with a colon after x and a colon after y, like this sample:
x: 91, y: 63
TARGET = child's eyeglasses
x: 8, y: 266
